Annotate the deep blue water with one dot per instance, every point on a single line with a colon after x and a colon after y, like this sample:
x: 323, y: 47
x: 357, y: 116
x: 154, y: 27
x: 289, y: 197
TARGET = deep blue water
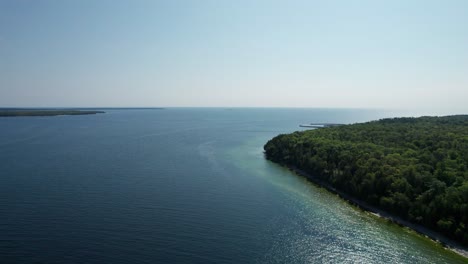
x: 180, y: 186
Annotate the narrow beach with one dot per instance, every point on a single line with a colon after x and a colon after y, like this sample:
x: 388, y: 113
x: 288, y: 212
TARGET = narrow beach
x: 437, y: 237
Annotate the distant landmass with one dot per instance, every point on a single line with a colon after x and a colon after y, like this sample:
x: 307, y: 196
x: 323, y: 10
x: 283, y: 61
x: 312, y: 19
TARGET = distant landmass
x: 319, y: 125
x: 415, y: 169
x: 45, y: 112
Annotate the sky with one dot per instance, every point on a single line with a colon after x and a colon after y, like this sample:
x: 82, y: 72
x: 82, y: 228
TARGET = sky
x: 348, y: 54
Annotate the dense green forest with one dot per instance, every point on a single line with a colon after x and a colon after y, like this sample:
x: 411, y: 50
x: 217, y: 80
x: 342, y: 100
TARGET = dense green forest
x: 416, y: 168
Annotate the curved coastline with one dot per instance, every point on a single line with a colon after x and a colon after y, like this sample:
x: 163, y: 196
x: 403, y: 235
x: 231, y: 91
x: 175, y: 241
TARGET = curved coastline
x: 444, y: 241
x: 410, y: 171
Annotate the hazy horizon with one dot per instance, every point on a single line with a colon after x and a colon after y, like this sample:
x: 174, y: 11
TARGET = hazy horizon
x: 307, y: 54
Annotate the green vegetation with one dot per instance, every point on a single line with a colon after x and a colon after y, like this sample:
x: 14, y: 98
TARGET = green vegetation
x: 415, y: 168
x: 44, y: 112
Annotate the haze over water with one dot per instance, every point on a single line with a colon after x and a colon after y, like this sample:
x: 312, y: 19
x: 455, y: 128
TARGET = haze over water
x: 180, y: 185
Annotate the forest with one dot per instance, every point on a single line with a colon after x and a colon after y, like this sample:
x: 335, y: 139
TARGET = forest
x: 415, y: 168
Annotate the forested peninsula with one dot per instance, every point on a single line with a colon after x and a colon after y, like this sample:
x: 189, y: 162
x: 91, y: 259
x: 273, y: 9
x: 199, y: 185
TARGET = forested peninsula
x: 413, y: 168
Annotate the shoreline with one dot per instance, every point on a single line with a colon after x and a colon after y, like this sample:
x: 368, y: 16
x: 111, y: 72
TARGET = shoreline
x: 421, y: 230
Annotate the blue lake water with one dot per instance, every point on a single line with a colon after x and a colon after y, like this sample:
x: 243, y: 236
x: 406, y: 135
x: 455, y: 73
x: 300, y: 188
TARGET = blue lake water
x: 180, y: 185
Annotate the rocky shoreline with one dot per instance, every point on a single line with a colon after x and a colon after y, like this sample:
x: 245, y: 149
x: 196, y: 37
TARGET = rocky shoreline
x: 437, y: 237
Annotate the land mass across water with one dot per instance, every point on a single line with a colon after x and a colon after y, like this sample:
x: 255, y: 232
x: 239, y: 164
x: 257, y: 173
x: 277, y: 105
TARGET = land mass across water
x: 412, y: 171
x: 16, y: 112
x: 320, y: 125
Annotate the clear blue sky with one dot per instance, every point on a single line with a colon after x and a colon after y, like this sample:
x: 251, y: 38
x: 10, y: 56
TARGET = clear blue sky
x: 385, y: 54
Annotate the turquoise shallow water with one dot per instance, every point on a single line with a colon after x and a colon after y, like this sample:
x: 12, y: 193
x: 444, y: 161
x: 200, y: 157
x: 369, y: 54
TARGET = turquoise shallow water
x: 180, y: 186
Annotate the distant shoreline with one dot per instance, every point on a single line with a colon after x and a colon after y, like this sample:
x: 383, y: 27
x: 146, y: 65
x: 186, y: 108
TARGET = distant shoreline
x: 434, y: 236
x: 320, y: 125
x: 45, y: 112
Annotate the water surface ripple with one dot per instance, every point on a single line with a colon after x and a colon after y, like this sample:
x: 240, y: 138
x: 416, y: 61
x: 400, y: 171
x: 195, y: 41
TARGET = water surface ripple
x: 180, y: 185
